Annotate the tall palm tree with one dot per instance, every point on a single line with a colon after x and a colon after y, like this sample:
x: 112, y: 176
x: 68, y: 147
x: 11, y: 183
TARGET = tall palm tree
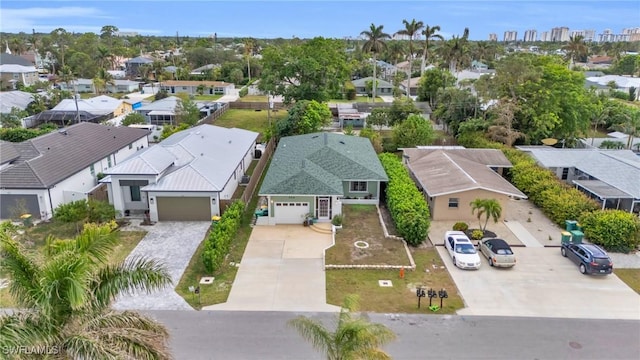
x: 410, y: 29
x: 103, y: 56
x: 249, y: 45
x: 107, y: 32
x: 18, y: 45
x: 430, y: 34
x: 66, y: 293
x: 456, y: 51
x: 395, y: 52
x: 61, y: 38
x: 490, y: 208
x: 630, y: 125
x: 354, y: 337
x: 575, y: 48
x: 101, y: 80
x: 375, y: 44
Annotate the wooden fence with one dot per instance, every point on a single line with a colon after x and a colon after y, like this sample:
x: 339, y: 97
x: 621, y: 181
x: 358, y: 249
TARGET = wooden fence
x: 215, y: 115
x: 257, y: 172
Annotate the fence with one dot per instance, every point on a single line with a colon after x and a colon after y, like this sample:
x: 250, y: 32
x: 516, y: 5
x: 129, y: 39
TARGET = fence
x: 215, y: 115
x: 257, y: 172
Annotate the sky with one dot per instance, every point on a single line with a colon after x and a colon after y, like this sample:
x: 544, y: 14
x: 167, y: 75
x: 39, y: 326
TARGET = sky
x: 306, y: 19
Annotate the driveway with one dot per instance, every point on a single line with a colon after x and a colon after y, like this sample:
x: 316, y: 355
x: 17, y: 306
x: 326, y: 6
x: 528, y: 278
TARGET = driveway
x: 172, y: 243
x: 282, y: 270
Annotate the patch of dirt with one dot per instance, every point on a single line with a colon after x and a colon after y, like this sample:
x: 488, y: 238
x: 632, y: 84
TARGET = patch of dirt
x: 388, y: 220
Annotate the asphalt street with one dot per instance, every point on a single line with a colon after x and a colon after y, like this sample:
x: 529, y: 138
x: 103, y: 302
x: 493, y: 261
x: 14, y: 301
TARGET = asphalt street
x: 234, y: 335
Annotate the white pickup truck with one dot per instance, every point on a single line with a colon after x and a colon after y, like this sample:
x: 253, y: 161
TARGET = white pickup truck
x: 462, y: 251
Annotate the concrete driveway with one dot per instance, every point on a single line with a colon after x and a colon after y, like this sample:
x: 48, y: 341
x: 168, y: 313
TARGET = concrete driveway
x: 282, y: 270
x: 172, y: 243
x: 542, y: 284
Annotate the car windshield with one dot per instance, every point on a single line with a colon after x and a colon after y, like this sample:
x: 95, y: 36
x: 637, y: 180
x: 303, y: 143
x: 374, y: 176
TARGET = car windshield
x: 465, y: 249
x: 504, y: 252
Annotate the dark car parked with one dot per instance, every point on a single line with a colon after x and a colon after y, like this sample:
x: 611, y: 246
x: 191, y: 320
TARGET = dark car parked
x: 591, y: 259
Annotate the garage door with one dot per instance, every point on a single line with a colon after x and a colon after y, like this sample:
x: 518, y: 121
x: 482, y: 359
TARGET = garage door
x: 14, y: 205
x: 184, y: 209
x: 290, y: 212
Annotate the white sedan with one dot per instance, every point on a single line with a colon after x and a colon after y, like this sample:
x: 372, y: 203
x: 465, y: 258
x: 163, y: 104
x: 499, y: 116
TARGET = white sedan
x: 463, y: 253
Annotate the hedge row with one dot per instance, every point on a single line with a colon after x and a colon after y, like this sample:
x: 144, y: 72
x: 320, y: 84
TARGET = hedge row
x: 216, y: 246
x: 615, y: 230
x: 556, y: 199
x: 406, y: 204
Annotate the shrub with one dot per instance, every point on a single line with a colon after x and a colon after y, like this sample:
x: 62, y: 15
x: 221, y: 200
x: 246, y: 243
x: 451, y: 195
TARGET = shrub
x: 83, y: 210
x: 615, y: 230
x: 243, y: 92
x: 406, y: 204
x: 337, y: 220
x: 349, y: 91
x: 217, y: 244
x: 477, y: 234
x: 460, y: 226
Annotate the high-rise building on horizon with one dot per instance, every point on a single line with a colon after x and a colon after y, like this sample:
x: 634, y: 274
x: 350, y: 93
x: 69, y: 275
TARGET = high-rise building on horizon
x: 560, y: 34
x: 493, y: 37
x: 587, y: 35
x: 545, y: 36
x: 530, y: 35
x: 633, y: 34
x: 510, y: 35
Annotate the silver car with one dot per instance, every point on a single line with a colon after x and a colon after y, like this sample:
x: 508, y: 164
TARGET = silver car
x: 498, y: 252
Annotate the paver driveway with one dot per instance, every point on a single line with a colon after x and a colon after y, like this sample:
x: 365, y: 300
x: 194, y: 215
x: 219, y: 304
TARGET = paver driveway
x: 172, y: 243
x: 282, y: 270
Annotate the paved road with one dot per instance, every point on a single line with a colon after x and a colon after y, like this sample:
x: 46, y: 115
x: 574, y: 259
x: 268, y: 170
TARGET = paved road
x: 265, y: 336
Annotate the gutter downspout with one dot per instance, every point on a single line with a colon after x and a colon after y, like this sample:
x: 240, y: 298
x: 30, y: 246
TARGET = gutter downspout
x: 50, y: 201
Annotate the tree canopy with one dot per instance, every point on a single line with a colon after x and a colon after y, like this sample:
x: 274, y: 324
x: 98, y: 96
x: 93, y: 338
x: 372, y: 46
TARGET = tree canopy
x: 312, y: 70
x: 413, y: 131
x: 304, y: 117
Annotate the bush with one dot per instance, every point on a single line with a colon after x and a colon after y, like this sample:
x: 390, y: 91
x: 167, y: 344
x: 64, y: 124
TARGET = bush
x: 615, y: 230
x: 349, y: 91
x: 477, y: 234
x: 243, y: 92
x: 337, y: 220
x: 460, y: 226
x: 406, y: 204
x: 217, y: 244
x: 83, y: 210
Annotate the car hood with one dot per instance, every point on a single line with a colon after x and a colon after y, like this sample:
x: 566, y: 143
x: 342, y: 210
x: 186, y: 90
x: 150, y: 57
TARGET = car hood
x: 468, y: 258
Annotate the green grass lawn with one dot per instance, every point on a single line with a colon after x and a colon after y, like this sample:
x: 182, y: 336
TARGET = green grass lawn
x: 218, y: 292
x: 248, y: 119
x: 631, y: 277
x: 254, y: 98
x: 207, y: 97
x: 401, y: 297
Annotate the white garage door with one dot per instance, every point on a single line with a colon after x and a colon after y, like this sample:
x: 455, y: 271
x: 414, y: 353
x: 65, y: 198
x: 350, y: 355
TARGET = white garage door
x: 291, y: 212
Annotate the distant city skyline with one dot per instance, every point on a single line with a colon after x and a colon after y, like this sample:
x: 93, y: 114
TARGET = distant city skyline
x: 286, y: 19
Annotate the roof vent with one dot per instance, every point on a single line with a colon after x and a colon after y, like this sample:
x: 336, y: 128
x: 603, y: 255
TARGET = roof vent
x: 63, y: 131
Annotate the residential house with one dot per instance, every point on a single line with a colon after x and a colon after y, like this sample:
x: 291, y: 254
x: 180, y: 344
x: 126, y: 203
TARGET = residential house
x: 161, y: 112
x: 611, y: 177
x: 96, y: 110
x: 38, y: 175
x: 452, y: 177
x: 479, y: 66
x: 188, y: 176
x: 314, y: 174
x: 133, y: 65
x: 411, y: 86
x: 86, y: 86
x: 191, y: 87
x: 383, y: 88
x: 202, y: 70
x: 15, y: 69
x: 14, y: 99
x: 623, y: 83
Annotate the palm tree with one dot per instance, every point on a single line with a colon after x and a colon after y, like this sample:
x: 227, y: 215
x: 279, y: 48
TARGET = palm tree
x: 103, y: 56
x: 375, y: 44
x: 410, y: 29
x: 630, y: 126
x: 575, y: 48
x: 249, y: 44
x: 18, y: 45
x: 395, y: 52
x: 102, y: 79
x: 490, y: 208
x: 354, y: 337
x: 66, y: 292
x: 108, y: 31
x: 430, y: 33
x: 61, y: 39
x: 456, y: 51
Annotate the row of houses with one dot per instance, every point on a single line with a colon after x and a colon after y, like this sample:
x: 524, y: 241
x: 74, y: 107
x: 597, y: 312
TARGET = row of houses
x: 191, y: 174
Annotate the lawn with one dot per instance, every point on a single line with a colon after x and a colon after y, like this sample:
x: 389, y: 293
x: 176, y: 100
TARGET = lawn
x: 401, y: 297
x: 207, y: 97
x: 254, y: 98
x: 631, y: 277
x: 128, y: 240
x: 361, y: 223
x: 218, y: 292
x: 248, y: 119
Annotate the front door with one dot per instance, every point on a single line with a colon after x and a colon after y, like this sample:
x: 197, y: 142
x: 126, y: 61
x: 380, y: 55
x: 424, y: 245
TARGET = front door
x: 323, y: 208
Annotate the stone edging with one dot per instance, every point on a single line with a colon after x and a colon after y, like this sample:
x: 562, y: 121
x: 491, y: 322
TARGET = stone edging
x: 368, y: 267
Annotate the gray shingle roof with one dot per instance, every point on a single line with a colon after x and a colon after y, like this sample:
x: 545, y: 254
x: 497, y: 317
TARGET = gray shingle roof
x: 618, y: 168
x: 442, y: 171
x: 48, y: 159
x: 318, y: 163
x: 8, y: 152
x: 12, y: 59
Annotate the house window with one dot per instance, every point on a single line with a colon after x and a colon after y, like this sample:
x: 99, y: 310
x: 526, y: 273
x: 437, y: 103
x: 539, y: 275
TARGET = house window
x: 135, y: 193
x: 453, y: 203
x: 92, y: 169
x: 358, y: 186
x: 130, y: 146
x: 565, y: 173
x: 109, y: 161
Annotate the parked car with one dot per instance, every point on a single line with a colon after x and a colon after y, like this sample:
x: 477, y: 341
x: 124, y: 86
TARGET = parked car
x: 498, y: 252
x: 463, y: 252
x: 591, y: 259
